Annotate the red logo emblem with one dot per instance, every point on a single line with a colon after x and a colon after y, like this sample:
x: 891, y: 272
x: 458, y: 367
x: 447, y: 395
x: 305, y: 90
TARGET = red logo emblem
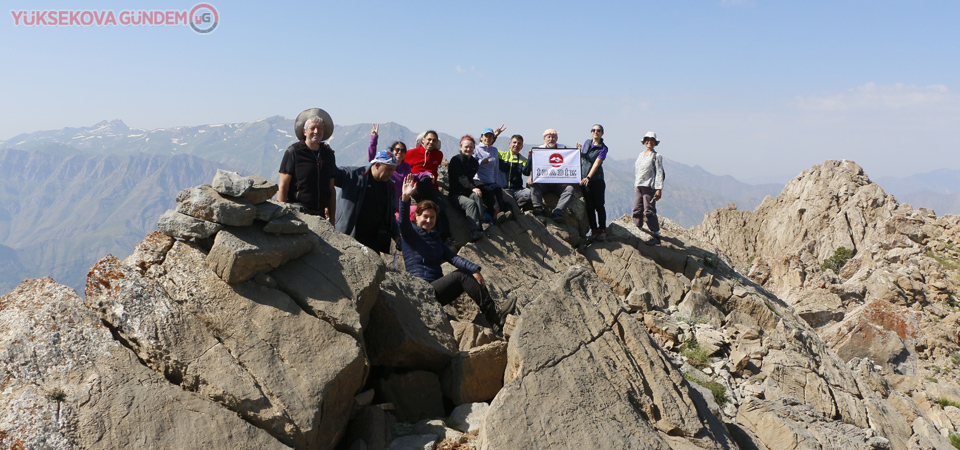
x: 556, y: 160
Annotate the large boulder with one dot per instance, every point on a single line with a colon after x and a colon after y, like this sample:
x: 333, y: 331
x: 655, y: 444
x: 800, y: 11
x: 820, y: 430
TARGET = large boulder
x: 591, y: 377
x: 880, y: 331
x: 408, y: 329
x: 240, y: 345
x: 788, y: 425
x: 70, y: 384
x: 338, y: 280
x: 475, y: 375
x: 520, y: 259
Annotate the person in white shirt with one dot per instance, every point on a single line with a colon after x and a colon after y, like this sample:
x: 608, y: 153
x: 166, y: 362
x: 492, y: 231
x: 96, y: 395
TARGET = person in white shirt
x: 649, y: 187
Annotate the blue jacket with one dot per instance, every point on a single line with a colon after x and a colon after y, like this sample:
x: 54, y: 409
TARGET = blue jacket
x: 424, y: 251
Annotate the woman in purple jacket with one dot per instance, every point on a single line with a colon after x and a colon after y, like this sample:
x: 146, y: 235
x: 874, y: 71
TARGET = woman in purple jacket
x: 424, y: 252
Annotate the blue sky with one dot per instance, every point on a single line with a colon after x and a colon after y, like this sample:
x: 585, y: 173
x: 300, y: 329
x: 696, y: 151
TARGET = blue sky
x: 760, y: 90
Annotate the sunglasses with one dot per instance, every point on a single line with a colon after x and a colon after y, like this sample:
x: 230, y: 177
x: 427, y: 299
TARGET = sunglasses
x: 596, y: 131
x: 399, y: 149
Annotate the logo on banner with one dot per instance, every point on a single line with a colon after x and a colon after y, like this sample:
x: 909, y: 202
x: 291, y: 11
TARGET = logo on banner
x: 556, y: 160
x: 556, y: 165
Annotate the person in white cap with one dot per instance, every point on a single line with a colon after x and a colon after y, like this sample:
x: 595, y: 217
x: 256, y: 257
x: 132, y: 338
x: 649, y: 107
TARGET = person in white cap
x: 649, y: 187
x: 309, y: 166
x: 565, y: 191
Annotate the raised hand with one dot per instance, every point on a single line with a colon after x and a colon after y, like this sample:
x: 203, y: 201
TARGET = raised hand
x: 499, y: 130
x: 409, y: 185
x: 375, y: 130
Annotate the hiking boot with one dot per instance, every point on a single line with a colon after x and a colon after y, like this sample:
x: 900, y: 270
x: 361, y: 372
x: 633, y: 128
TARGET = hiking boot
x: 592, y: 237
x: 538, y: 211
x: 655, y: 240
x: 502, y: 217
x: 557, y: 215
x: 601, y: 236
x: 509, y: 308
x: 475, y: 235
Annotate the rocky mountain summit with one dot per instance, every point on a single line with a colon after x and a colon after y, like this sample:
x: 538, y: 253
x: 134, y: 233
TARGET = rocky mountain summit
x: 242, y: 324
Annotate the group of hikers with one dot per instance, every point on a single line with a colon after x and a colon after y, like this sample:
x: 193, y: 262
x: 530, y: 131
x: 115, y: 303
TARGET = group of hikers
x: 396, y: 200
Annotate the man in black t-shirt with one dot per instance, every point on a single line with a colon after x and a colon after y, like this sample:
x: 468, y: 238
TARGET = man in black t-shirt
x: 309, y: 166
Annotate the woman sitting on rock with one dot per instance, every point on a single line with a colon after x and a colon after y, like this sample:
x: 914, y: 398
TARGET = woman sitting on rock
x: 424, y: 252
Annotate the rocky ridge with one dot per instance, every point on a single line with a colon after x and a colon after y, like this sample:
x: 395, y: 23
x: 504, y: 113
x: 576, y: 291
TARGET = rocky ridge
x: 323, y: 344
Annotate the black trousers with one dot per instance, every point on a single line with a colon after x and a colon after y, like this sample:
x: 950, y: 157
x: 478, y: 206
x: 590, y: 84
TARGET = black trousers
x: 593, y: 197
x: 451, y: 285
x: 493, y: 199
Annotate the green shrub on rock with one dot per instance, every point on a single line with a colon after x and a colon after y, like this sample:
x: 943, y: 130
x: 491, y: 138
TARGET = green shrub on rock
x: 838, y: 260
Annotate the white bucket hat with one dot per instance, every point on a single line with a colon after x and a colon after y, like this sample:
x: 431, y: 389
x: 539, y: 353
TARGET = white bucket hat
x: 650, y: 135
x: 302, y: 119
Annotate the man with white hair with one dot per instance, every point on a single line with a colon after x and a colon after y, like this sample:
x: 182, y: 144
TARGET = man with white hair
x: 309, y: 167
x: 565, y: 191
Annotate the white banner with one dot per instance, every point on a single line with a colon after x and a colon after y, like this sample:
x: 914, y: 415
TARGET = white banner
x: 556, y: 165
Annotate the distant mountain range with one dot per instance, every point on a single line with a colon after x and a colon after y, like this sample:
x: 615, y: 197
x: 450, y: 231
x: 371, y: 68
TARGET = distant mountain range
x: 70, y: 196
x: 938, y: 190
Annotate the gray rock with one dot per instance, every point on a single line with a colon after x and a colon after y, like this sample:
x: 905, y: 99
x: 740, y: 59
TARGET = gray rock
x: 231, y: 183
x: 785, y: 424
x: 591, y: 377
x: 437, y: 427
x: 261, y: 191
x: 414, y: 442
x: 182, y: 226
x: 269, y: 210
x: 879, y: 331
x: 639, y: 300
x: 338, y: 281
x: 169, y: 339
x: 150, y: 252
x: 371, y: 425
x: 308, y: 370
x: 287, y: 224
x: 697, y: 306
x: 521, y: 259
x: 475, y: 375
x: 468, y: 416
x: 415, y: 395
x: 627, y: 271
x: 407, y: 327
x: 470, y: 335
x: 239, y: 254
x: 69, y: 384
x: 203, y: 202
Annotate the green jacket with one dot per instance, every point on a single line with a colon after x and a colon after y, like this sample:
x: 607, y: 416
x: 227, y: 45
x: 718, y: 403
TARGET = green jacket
x: 513, y: 169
